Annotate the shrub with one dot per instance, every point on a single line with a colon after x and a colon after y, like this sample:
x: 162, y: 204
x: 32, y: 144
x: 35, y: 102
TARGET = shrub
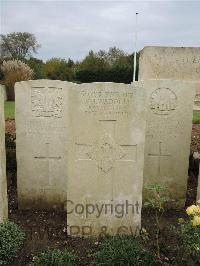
x: 55, y: 257
x: 13, y: 71
x: 11, y: 240
x: 122, y: 250
x: 37, y: 66
x: 190, y: 235
x: 57, y: 68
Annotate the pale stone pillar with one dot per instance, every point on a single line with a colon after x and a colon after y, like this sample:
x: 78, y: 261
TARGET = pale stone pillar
x: 3, y: 181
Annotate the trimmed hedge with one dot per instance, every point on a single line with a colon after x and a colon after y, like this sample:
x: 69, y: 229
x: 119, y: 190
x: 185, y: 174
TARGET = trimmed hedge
x: 11, y: 240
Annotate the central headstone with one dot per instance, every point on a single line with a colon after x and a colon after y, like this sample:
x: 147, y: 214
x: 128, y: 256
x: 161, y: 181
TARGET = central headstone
x: 3, y: 181
x: 106, y: 158
x: 41, y: 143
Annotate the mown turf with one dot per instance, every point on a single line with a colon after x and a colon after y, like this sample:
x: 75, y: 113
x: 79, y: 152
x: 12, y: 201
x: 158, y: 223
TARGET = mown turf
x: 196, y: 117
x: 9, y: 109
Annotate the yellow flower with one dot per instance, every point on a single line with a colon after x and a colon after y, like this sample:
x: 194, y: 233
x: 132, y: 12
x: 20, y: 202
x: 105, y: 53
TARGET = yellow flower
x: 198, y: 201
x: 197, y: 210
x: 191, y: 210
x: 196, y: 221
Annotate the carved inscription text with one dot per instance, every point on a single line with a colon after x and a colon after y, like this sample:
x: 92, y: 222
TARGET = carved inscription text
x: 106, y: 102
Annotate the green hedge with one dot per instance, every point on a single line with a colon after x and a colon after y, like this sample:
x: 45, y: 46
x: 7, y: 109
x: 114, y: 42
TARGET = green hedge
x: 11, y: 240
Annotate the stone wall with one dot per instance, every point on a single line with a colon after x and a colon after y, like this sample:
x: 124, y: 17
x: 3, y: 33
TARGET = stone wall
x: 178, y: 63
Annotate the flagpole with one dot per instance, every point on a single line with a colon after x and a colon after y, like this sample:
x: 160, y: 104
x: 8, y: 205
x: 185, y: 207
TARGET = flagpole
x: 135, y: 53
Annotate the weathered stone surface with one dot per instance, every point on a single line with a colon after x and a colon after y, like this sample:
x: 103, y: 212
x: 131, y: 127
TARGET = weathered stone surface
x: 41, y: 143
x: 177, y: 63
x: 3, y: 181
x: 4, y: 92
x: 168, y: 136
x: 106, y: 158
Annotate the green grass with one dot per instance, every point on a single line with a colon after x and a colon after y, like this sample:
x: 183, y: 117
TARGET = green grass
x: 9, y: 109
x: 196, y: 117
x: 10, y: 112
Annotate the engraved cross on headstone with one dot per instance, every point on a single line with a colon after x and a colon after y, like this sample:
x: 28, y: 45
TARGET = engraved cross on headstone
x: 159, y: 155
x: 106, y: 151
x: 48, y: 158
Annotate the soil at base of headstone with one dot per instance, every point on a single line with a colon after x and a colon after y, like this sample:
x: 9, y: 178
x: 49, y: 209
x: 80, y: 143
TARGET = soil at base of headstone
x: 195, y: 144
x: 10, y: 126
x: 48, y: 229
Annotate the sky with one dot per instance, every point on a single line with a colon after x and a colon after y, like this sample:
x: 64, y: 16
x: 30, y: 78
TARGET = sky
x: 70, y: 29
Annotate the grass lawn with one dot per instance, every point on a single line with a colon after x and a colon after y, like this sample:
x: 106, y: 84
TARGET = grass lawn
x: 10, y: 112
x: 196, y: 117
x: 9, y: 109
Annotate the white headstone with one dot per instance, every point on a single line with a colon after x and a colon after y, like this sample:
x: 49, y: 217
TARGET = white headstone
x: 177, y: 63
x: 3, y: 181
x: 4, y: 92
x: 41, y: 143
x: 106, y: 159
x: 168, y: 136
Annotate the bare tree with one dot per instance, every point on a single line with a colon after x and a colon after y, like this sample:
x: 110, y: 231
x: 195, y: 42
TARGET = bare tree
x: 18, y: 44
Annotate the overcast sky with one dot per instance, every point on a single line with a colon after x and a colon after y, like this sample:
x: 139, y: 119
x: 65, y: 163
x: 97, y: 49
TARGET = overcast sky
x: 72, y: 28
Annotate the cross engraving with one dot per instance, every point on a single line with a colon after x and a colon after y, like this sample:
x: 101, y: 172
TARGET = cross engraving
x: 159, y: 155
x: 48, y: 158
x: 106, y: 151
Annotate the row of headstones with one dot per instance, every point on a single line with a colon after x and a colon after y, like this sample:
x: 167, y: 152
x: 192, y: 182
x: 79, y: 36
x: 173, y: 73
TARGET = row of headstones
x: 83, y: 145
x: 83, y: 148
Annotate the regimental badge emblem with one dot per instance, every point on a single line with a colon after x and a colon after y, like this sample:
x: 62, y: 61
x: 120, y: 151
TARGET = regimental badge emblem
x: 163, y: 101
x: 47, y: 102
